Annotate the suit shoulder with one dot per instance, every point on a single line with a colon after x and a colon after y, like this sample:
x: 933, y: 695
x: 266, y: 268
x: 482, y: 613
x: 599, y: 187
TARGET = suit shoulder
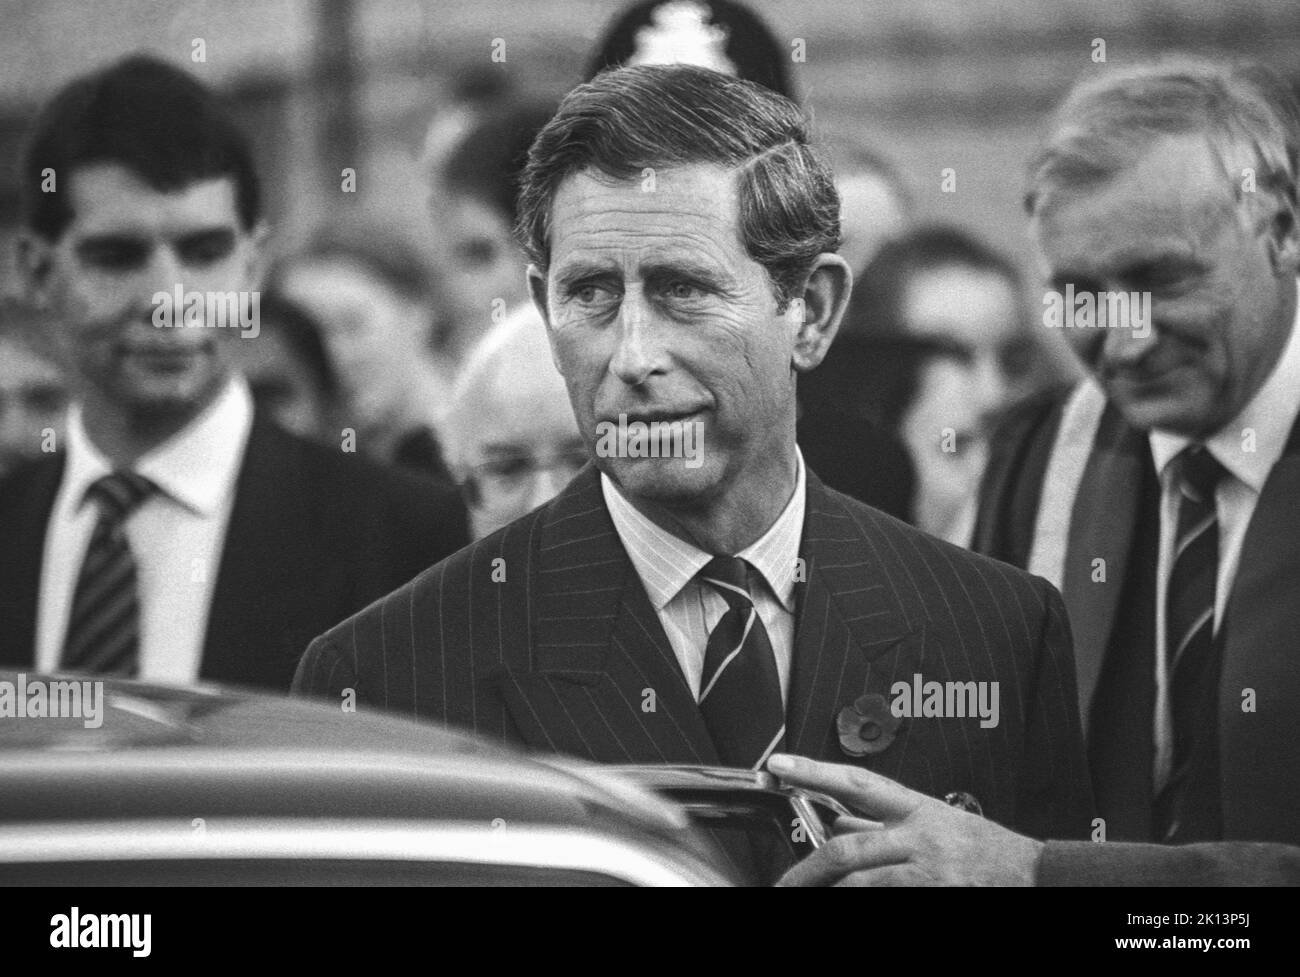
x: 944, y: 561
x: 498, y: 559
x: 349, y: 469
x: 29, y: 475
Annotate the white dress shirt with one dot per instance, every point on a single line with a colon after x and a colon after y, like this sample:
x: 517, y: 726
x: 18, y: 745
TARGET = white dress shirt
x: 176, y: 535
x: 689, y: 610
x: 1269, y: 416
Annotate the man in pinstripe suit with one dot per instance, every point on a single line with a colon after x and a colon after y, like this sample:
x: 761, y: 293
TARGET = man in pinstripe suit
x: 715, y: 607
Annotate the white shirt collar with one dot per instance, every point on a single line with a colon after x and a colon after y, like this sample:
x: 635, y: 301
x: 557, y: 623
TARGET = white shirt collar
x: 196, y: 467
x: 1271, y: 414
x: 666, y: 563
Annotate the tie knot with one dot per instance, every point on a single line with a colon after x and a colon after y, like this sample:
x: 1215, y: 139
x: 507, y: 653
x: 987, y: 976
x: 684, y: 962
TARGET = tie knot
x: 728, y: 575
x: 1199, y: 473
x: 120, y: 493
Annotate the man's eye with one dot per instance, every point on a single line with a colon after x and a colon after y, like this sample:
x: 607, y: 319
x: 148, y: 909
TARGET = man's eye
x: 515, y: 467
x: 115, y: 255
x: 683, y: 290
x: 590, y: 294
x: 206, y: 250
x: 476, y: 252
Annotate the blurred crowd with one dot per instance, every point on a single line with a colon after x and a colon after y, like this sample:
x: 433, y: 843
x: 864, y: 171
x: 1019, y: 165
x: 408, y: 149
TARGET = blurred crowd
x: 436, y: 362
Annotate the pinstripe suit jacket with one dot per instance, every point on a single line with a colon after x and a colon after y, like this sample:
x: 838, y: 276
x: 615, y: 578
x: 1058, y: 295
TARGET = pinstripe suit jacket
x: 542, y: 634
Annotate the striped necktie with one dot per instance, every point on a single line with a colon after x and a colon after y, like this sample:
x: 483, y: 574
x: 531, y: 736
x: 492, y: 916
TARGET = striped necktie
x: 740, y: 691
x: 1186, y: 799
x: 104, y: 627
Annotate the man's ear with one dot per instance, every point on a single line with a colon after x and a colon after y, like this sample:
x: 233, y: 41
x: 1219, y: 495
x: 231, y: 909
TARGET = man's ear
x: 1284, y: 241
x: 825, y: 297
x: 255, y: 263
x: 537, y: 289
x: 35, y: 267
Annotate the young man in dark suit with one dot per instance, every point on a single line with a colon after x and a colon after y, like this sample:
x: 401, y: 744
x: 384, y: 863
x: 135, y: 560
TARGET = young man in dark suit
x: 177, y: 536
x: 1161, y: 494
x: 722, y: 603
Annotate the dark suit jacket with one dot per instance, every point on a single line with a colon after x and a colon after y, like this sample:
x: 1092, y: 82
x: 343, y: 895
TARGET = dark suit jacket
x: 313, y: 536
x: 542, y: 634
x: 1259, y: 751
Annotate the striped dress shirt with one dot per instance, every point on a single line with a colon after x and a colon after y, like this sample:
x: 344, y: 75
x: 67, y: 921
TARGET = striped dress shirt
x: 668, y: 565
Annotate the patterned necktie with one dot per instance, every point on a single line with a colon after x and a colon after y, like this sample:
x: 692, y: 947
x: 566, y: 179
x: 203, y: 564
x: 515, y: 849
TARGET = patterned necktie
x: 104, y: 627
x: 740, y: 691
x: 1184, y: 807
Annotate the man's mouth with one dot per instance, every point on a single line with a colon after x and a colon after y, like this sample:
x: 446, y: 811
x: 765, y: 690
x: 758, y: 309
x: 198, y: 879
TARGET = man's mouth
x: 656, y: 416
x: 166, y: 356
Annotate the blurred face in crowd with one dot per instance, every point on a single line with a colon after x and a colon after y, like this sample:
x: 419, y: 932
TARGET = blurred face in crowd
x: 283, y: 386
x: 975, y: 315
x: 657, y: 312
x: 126, y: 242
x: 480, y: 267
x: 511, y: 434
x: 33, y: 399
x: 1221, y: 279
x: 374, y: 335
x: 948, y: 448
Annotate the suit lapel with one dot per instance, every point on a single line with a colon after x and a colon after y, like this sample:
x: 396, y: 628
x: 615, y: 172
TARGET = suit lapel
x: 262, y: 556
x: 847, y: 620
x: 23, y: 523
x: 1102, y: 527
x: 1259, y: 751
x: 603, y: 681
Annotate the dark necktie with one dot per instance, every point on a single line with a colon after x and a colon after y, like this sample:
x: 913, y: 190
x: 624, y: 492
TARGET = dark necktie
x: 1186, y: 803
x: 740, y: 691
x: 104, y: 626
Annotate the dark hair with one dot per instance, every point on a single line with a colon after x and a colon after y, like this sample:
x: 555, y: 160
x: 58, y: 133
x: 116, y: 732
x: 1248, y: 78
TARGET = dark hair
x: 156, y: 120
x: 876, y: 306
x: 660, y: 116
x: 873, y: 377
x: 303, y: 335
x: 488, y: 160
x: 750, y: 44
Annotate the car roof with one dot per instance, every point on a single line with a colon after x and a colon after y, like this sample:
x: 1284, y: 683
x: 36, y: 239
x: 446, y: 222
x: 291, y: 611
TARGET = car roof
x: 162, y: 751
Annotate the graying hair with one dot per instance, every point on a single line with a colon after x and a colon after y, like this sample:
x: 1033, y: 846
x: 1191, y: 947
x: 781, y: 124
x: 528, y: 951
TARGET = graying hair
x: 660, y: 116
x: 1246, y: 112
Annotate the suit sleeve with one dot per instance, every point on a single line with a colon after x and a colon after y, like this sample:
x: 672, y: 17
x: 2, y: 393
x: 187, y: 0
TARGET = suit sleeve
x: 324, y: 671
x: 1209, y: 863
x: 1055, y: 796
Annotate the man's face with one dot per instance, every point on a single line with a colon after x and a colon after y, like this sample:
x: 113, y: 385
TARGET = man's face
x: 523, y: 448
x: 125, y: 243
x: 374, y: 334
x: 975, y: 316
x: 1167, y: 226
x: 33, y: 399
x: 656, y: 311
x: 478, y: 262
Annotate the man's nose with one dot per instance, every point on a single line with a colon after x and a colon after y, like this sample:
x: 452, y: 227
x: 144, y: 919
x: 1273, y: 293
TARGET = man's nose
x: 637, y: 355
x: 1122, y: 344
x: 992, y: 387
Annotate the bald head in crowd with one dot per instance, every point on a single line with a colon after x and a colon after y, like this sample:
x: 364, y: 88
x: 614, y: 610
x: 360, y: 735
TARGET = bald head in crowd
x: 509, y: 435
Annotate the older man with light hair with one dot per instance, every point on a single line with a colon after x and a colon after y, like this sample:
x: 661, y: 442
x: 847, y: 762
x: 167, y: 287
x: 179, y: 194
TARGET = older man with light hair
x: 509, y: 435
x: 1160, y: 495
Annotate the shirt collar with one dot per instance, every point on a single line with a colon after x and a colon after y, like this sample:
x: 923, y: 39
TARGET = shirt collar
x: 196, y: 467
x: 666, y: 563
x: 1270, y: 414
